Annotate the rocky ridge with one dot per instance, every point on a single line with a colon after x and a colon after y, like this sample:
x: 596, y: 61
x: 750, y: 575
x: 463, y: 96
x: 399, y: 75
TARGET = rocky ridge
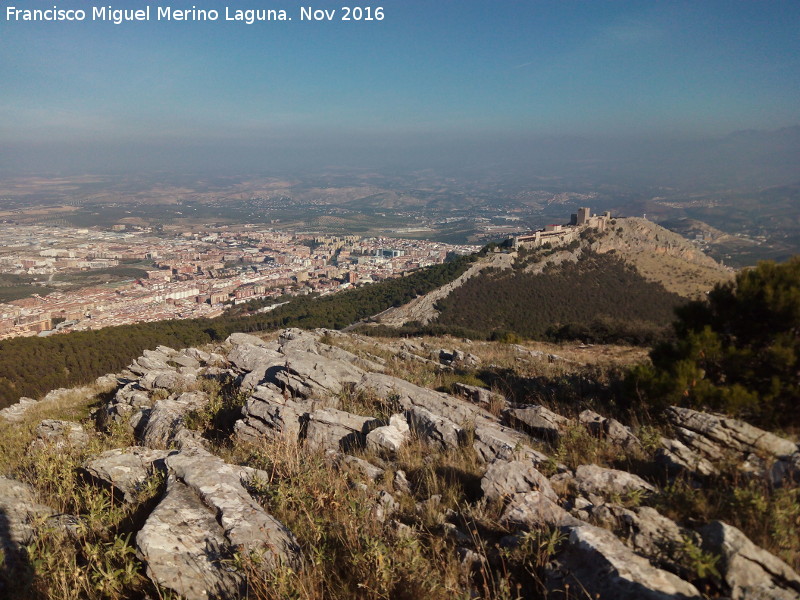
x: 300, y: 390
x: 664, y: 256
x: 658, y: 254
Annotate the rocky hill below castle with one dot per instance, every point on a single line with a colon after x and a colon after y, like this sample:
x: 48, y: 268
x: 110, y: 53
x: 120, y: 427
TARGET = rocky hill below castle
x: 661, y: 255
x: 665, y: 269
x: 319, y: 464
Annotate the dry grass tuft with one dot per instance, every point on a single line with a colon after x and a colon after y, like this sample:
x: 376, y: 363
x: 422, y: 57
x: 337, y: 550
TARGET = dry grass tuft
x: 93, y: 557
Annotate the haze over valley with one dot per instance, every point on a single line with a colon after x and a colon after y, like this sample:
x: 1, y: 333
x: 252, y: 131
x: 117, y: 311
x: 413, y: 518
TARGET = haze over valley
x: 404, y: 300
x: 736, y: 194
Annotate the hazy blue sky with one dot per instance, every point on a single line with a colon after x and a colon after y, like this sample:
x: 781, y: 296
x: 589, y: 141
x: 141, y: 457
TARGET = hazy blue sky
x: 436, y: 68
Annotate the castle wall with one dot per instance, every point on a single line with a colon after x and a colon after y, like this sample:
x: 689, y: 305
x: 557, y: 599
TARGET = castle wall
x: 563, y: 235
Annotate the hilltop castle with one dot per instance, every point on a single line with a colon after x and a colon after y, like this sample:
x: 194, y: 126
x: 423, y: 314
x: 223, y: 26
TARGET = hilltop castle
x: 559, y: 235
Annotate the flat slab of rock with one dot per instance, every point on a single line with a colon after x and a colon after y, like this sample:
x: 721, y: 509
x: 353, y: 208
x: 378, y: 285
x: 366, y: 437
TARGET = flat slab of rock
x: 142, y: 365
x: 534, y: 510
x: 308, y: 375
x: 408, y: 395
x: 719, y: 438
x: 731, y: 434
x: 152, y: 360
x: 539, y: 421
x: 185, y: 549
x: 126, y: 469
x: 186, y: 361
x: 250, y: 357
x: 161, y: 349
x: 298, y: 340
x: 596, y: 480
x: 244, y: 522
x: 597, y: 562
x: 749, y: 571
x: 167, y: 379
x: 503, y: 479
x: 239, y: 338
x: 677, y: 457
x: 492, y: 441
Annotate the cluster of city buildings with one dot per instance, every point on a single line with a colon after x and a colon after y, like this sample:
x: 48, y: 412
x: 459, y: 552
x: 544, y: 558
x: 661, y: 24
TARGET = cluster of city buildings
x: 187, y: 274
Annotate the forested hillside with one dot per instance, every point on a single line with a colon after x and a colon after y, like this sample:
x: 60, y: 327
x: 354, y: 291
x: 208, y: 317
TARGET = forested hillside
x: 33, y: 366
x: 596, y: 297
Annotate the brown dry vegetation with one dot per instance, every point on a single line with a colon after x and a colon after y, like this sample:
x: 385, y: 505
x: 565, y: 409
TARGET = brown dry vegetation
x: 678, y: 276
x: 94, y: 556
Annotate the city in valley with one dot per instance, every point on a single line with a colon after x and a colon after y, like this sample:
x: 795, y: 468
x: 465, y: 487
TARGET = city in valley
x: 76, y: 279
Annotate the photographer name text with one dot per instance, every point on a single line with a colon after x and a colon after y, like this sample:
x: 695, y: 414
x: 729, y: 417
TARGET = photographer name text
x: 119, y: 16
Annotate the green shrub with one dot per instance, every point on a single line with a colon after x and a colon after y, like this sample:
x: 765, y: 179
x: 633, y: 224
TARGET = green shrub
x: 737, y: 352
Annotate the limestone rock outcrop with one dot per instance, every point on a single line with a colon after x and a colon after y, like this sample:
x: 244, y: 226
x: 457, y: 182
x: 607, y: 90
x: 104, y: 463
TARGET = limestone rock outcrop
x: 166, y: 418
x: 596, y: 561
x: 408, y: 396
x: 609, y: 429
x: 535, y: 510
x: 479, y: 395
x: 329, y: 428
x: 718, y: 438
x: 539, y: 421
x: 340, y: 409
x: 203, y: 518
x: 434, y: 428
x: 184, y: 548
x: 19, y: 507
x: 504, y: 479
x: 126, y: 469
x: 749, y: 571
x: 492, y: 441
x: 677, y: 457
x: 647, y: 532
x: 243, y: 520
x: 388, y: 439
x: 703, y: 431
x: 16, y: 412
x: 59, y: 434
x: 268, y: 413
x: 599, y: 481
